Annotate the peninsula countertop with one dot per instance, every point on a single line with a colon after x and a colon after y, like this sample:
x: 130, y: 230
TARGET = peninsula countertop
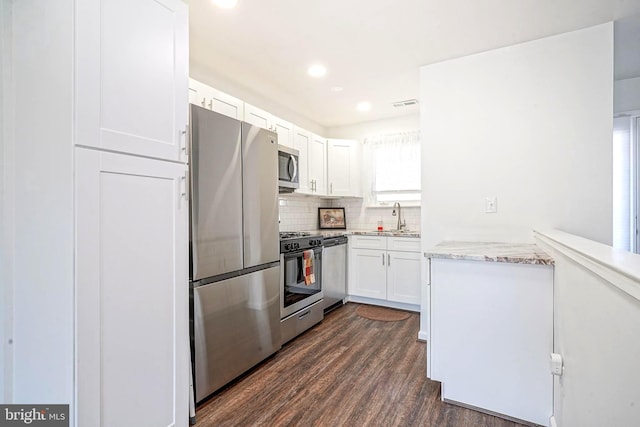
x: 517, y: 253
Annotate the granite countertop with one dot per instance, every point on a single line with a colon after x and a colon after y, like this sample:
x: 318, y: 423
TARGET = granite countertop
x: 518, y: 253
x: 385, y: 233
x: 334, y: 233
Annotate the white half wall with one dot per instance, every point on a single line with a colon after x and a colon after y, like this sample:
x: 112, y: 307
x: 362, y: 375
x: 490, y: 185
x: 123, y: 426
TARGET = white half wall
x: 530, y: 124
x: 596, y: 329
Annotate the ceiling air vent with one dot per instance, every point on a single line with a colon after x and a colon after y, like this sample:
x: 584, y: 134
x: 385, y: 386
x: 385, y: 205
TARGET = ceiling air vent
x: 405, y: 103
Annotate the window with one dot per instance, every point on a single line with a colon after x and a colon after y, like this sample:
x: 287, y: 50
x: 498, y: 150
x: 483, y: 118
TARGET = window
x: 392, y: 166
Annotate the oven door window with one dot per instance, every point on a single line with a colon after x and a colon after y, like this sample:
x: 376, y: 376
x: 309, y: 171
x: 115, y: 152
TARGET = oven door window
x: 295, y: 288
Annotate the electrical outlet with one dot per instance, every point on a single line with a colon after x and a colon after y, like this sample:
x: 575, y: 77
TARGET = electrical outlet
x: 491, y: 204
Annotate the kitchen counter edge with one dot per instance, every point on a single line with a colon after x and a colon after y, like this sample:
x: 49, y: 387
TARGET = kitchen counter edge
x: 515, y: 253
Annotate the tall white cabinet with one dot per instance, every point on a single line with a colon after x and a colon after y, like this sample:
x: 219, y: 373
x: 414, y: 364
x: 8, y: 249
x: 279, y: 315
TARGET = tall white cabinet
x: 132, y: 212
x: 105, y: 193
x: 132, y: 290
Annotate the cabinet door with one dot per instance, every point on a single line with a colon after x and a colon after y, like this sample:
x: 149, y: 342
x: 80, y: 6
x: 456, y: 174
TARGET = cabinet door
x: 132, y: 70
x: 213, y: 99
x: 284, y: 130
x: 302, y: 142
x: 318, y: 165
x: 132, y: 290
x: 340, y: 157
x: 257, y: 117
x: 403, y: 277
x: 369, y: 278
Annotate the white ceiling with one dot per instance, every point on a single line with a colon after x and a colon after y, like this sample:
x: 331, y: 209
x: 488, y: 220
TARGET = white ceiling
x: 372, y: 48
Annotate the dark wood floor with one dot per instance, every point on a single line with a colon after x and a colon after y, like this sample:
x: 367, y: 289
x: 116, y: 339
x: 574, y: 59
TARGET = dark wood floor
x: 346, y: 371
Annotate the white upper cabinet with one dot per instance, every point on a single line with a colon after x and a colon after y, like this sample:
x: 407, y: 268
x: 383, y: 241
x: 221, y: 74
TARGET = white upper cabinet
x: 213, y: 99
x: 266, y: 120
x: 257, y: 117
x: 318, y: 165
x: 342, y: 167
x: 301, y: 142
x: 132, y: 67
x: 285, y: 131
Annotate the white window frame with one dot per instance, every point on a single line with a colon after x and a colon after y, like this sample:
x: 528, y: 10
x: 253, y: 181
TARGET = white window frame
x: 392, y: 196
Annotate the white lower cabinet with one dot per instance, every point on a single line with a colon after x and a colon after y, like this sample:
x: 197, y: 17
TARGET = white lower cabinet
x: 132, y: 290
x: 369, y: 273
x: 403, y: 277
x: 384, y: 277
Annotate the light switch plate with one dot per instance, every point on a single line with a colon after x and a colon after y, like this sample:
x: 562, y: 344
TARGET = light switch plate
x: 491, y: 204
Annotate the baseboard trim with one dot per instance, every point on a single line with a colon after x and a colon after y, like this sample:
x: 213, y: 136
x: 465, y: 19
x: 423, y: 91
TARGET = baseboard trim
x: 384, y: 303
x: 488, y: 412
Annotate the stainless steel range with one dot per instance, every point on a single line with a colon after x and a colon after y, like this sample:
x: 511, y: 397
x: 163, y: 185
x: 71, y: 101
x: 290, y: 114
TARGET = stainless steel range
x: 301, y: 280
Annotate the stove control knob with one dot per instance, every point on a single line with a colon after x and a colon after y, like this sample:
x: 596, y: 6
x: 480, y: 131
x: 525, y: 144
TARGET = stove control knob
x: 296, y: 245
x: 287, y: 246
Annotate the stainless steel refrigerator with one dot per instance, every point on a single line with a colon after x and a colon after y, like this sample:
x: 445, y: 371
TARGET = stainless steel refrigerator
x: 234, y: 257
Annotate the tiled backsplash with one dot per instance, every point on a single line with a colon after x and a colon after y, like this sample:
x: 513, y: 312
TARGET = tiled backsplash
x: 298, y: 213
x: 360, y: 217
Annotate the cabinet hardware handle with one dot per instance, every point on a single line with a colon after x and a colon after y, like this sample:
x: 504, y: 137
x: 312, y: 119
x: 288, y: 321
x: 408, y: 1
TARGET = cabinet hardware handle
x: 185, y: 139
x: 382, y: 259
x: 331, y: 188
x: 388, y: 260
x: 211, y: 104
x: 204, y: 102
x: 185, y: 180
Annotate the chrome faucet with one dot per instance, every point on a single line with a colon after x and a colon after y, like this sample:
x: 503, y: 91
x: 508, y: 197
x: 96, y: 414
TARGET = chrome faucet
x: 401, y: 224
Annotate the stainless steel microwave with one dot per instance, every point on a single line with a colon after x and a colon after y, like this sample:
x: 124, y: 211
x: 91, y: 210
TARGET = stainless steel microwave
x: 288, y: 177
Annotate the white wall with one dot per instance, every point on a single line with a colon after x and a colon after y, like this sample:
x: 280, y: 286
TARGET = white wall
x: 626, y: 95
x: 359, y: 131
x: 43, y: 291
x: 530, y: 124
x: 203, y: 74
x: 5, y: 260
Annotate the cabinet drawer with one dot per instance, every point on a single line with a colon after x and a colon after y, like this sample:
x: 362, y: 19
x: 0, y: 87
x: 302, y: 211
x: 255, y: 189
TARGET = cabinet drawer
x: 369, y: 242
x: 405, y: 244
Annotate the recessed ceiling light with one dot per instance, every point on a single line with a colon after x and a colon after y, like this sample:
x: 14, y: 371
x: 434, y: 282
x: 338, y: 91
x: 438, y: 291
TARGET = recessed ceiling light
x: 363, y: 106
x: 337, y: 89
x: 225, y: 4
x: 317, y: 70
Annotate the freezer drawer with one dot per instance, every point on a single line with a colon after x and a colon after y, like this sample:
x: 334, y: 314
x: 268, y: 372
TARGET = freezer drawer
x: 236, y: 325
